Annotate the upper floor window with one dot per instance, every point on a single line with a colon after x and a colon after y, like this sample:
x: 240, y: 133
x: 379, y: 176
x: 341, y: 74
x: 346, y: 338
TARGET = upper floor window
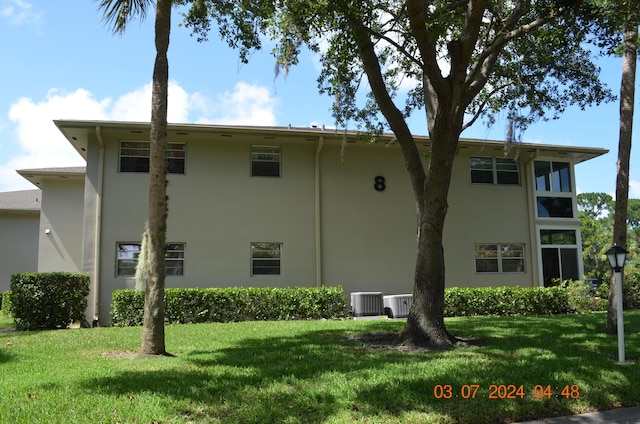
x: 508, y: 257
x: 265, y: 258
x: 265, y: 161
x: 494, y: 171
x: 554, y: 180
x: 553, y: 176
x: 134, y: 157
x: 128, y: 254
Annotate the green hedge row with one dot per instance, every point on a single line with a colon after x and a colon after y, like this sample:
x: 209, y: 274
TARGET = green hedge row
x: 233, y: 304
x: 506, y: 301
x: 47, y: 300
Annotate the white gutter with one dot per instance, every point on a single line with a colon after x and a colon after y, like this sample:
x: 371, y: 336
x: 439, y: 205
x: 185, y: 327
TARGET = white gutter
x: 98, y: 230
x: 318, y: 213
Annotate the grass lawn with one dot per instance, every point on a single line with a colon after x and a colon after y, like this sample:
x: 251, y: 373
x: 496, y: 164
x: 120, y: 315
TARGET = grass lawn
x: 311, y: 372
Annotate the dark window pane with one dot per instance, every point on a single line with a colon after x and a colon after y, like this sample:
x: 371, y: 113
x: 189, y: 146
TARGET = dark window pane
x: 557, y: 237
x: 266, y: 267
x: 569, y: 258
x: 561, y: 177
x: 486, y: 265
x: 513, y: 265
x: 542, y: 171
x: 555, y: 207
x: 134, y: 164
x: 508, y: 178
x: 550, y: 266
x: 481, y: 177
x: 175, y: 166
x: 265, y: 169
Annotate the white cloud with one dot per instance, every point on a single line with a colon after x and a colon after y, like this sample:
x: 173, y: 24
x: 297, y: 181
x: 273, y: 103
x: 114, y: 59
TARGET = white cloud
x: 31, y: 140
x: 19, y: 12
x: 248, y: 104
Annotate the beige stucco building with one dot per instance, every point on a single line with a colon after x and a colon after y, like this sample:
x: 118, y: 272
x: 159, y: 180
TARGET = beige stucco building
x: 264, y: 206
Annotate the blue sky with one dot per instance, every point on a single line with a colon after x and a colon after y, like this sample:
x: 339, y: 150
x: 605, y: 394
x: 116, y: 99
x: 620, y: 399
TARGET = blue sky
x: 59, y: 61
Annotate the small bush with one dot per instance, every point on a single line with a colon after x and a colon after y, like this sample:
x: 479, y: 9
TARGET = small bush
x: 630, y: 290
x: 190, y: 305
x: 5, y: 299
x: 505, y: 301
x: 582, y: 298
x: 41, y: 301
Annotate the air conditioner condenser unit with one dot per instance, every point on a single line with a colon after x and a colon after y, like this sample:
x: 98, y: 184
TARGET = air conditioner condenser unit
x: 367, y: 304
x: 397, y: 305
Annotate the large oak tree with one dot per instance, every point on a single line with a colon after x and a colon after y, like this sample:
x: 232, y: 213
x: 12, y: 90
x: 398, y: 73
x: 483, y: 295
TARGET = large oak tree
x: 466, y: 59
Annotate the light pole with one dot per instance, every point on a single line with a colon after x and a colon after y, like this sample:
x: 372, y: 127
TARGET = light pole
x: 617, y: 256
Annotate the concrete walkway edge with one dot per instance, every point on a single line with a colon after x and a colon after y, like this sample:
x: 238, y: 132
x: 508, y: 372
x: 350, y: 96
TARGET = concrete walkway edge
x: 613, y: 416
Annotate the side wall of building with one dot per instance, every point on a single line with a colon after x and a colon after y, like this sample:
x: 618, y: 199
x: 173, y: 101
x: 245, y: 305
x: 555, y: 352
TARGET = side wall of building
x: 60, y: 231
x: 19, y: 249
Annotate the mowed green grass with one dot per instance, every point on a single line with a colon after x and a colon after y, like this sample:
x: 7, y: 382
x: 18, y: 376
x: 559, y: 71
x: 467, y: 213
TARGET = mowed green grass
x: 312, y: 372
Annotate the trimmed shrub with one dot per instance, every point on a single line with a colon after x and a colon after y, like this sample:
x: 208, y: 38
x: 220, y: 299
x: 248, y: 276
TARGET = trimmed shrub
x: 5, y: 299
x: 48, y: 300
x: 192, y: 305
x: 505, y: 301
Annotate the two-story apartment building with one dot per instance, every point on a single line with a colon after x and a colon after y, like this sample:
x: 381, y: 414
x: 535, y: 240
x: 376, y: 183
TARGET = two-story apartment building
x: 265, y: 206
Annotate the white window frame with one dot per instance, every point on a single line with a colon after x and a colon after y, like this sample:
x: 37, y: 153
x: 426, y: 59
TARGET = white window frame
x: 260, y: 252
x: 496, y: 171
x: 558, y: 246
x: 553, y: 192
x: 175, y: 256
x: 176, y: 151
x: 500, y: 255
x: 265, y: 154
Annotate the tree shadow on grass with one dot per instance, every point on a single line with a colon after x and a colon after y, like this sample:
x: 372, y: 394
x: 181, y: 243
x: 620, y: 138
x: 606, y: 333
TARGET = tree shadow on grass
x: 5, y: 355
x: 291, y: 378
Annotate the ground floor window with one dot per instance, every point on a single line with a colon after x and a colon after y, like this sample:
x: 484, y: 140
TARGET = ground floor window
x: 128, y: 253
x: 499, y: 257
x: 559, y: 252
x: 266, y: 258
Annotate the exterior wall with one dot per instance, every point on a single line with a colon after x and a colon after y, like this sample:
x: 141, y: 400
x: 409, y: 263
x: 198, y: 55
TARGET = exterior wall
x: 217, y: 210
x: 486, y: 213
x: 19, y: 250
x: 61, y: 218
x: 367, y: 238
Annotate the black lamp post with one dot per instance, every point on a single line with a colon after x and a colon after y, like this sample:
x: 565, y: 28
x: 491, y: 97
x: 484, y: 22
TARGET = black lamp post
x: 617, y: 255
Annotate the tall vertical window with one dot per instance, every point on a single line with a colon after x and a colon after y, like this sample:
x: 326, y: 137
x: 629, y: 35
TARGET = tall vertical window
x: 559, y: 253
x: 265, y: 258
x: 553, y: 187
x: 494, y: 171
x: 507, y: 257
x: 265, y: 161
x: 128, y: 254
x: 134, y: 157
x: 553, y: 176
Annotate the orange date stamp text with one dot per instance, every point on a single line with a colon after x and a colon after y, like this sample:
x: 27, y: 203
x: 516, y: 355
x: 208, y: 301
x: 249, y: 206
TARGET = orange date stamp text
x: 505, y: 391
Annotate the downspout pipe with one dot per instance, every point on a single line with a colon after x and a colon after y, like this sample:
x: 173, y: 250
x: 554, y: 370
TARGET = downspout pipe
x: 98, y: 230
x: 318, y: 213
x: 531, y: 201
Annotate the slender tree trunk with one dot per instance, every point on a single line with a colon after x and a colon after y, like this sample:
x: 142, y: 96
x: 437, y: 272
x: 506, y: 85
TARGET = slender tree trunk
x: 627, y: 94
x: 153, y: 338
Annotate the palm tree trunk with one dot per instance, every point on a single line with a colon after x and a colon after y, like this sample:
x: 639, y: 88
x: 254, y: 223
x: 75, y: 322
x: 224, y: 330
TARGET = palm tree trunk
x: 627, y: 94
x: 153, y: 338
